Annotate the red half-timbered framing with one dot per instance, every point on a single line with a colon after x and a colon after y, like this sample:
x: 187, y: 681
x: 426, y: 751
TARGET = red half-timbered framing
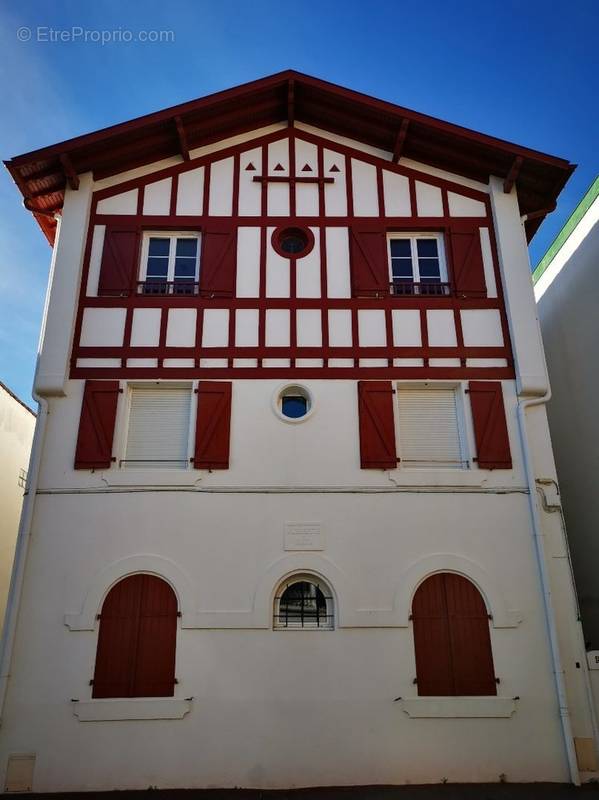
x: 445, y: 224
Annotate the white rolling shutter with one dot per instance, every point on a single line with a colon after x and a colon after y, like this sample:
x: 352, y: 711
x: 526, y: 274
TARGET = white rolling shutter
x: 158, y: 434
x: 429, y: 430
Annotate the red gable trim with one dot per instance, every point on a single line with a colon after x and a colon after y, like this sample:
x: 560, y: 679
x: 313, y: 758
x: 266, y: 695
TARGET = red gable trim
x: 41, y: 177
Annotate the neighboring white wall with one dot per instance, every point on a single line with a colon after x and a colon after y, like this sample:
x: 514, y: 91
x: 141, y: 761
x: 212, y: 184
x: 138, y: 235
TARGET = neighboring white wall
x: 16, y: 435
x: 568, y: 299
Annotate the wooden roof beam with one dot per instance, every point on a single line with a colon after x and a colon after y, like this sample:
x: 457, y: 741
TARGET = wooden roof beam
x: 69, y: 170
x: 44, y: 212
x: 512, y: 175
x: 542, y: 212
x: 46, y: 191
x: 182, y: 136
x: 291, y: 102
x: 400, y: 139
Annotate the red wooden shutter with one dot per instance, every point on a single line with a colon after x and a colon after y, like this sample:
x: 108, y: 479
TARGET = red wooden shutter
x: 434, y: 666
x: 369, y: 261
x: 451, y: 638
x: 120, y: 260
x: 137, y: 640
x: 213, y: 425
x: 490, y: 427
x: 377, y: 429
x: 117, y: 639
x: 467, y: 261
x: 471, y: 653
x: 96, y: 425
x: 218, y: 263
x: 155, y: 662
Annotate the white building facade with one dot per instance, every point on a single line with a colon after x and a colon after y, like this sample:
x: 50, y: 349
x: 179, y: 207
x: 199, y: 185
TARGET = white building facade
x: 283, y: 527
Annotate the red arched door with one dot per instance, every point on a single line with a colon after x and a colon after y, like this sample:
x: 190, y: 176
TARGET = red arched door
x: 137, y: 640
x: 451, y: 638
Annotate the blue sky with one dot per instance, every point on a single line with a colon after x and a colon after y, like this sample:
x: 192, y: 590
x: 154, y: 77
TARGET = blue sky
x: 522, y: 71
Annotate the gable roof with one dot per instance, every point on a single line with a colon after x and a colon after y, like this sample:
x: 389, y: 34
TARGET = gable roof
x: 43, y: 174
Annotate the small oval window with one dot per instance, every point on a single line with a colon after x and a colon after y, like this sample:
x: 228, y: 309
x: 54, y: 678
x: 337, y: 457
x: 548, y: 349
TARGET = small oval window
x: 293, y: 242
x: 294, y: 403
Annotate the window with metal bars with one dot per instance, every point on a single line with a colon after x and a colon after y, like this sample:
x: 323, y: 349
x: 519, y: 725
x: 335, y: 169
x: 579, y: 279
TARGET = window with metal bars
x: 304, y: 601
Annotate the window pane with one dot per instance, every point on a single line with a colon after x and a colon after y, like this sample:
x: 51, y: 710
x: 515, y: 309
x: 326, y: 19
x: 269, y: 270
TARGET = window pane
x: 402, y: 268
x: 185, y: 268
x: 294, y: 406
x: 159, y: 247
x: 400, y: 248
x: 303, y: 604
x: 157, y: 268
x: 187, y: 247
x: 429, y: 269
x: 427, y: 248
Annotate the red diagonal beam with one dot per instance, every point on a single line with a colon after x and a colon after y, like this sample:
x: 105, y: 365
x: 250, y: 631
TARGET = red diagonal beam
x: 291, y: 103
x: 182, y: 136
x: 512, y: 175
x: 69, y: 170
x: 400, y: 139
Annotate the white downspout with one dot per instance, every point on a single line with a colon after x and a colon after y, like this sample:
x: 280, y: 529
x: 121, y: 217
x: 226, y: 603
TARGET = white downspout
x: 21, y: 550
x: 558, y: 672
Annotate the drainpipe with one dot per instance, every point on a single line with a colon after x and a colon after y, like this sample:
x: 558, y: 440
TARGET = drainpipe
x: 558, y: 672
x: 21, y: 550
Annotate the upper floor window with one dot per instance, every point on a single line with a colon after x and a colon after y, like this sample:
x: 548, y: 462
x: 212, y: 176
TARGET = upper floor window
x: 158, y: 431
x: 417, y: 264
x: 170, y: 263
x: 303, y: 601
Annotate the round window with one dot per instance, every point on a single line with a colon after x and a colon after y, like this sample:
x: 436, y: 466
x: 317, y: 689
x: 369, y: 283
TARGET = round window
x: 293, y: 242
x: 293, y: 403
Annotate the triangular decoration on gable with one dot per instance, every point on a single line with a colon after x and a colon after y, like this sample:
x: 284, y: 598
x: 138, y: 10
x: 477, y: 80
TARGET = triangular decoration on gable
x: 250, y: 167
x: 334, y: 168
x: 279, y: 168
x: 306, y: 168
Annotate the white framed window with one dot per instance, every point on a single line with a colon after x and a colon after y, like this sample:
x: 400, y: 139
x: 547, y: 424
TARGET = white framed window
x: 304, y: 601
x: 431, y: 426
x: 158, y: 426
x: 417, y: 263
x: 170, y: 262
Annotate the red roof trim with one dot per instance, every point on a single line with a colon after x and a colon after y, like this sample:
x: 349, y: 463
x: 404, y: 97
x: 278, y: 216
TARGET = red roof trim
x: 41, y: 175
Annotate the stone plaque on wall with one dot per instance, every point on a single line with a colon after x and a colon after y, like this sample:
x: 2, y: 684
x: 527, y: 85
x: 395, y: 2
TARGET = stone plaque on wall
x: 304, y: 536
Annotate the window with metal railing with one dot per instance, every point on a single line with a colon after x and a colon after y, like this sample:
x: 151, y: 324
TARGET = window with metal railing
x: 170, y: 264
x: 417, y: 265
x: 303, y: 601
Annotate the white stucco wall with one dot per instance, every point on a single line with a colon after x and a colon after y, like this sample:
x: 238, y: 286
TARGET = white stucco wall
x: 16, y: 434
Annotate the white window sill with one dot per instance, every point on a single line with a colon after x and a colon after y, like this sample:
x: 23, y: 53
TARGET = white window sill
x: 128, y: 709
x: 151, y: 477
x: 458, y: 707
